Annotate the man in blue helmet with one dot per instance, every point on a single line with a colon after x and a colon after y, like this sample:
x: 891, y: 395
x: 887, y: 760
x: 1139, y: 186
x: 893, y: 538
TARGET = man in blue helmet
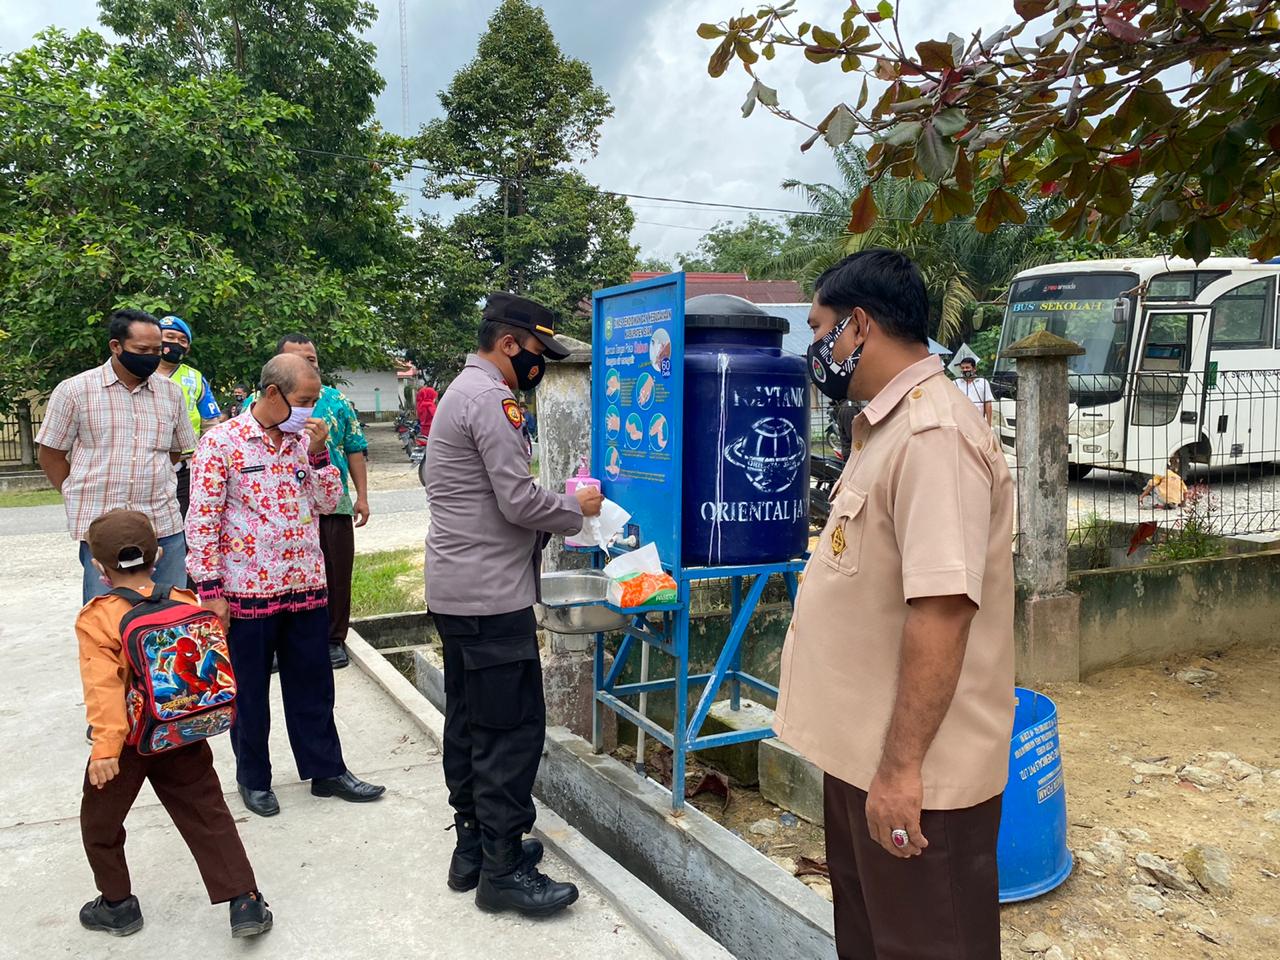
x: 202, y: 408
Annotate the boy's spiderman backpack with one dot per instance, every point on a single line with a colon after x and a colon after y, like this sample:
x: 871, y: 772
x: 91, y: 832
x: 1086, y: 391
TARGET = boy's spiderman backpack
x: 182, y: 689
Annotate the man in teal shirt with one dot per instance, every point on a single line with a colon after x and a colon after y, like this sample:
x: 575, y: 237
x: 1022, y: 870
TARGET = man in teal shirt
x: 348, y: 451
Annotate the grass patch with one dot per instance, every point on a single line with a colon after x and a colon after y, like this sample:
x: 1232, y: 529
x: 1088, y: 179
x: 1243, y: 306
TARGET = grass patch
x: 389, y: 581
x: 29, y: 498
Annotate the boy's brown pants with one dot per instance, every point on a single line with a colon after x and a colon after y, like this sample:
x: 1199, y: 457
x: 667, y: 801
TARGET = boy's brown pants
x: 185, y: 782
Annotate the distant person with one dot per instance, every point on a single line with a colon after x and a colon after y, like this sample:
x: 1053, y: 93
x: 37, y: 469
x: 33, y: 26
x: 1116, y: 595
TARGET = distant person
x: 110, y: 438
x: 124, y: 550
x: 976, y: 388
x: 897, y: 674
x: 349, y: 452
x: 426, y: 406
x: 239, y: 393
x: 259, y: 484
x: 202, y: 409
x: 844, y: 414
x: 1169, y: 491
x: 530, y: 423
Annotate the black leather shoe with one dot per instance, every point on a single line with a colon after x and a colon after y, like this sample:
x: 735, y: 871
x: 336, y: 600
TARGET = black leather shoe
x: 507, y: 883
x: 119, y: 921
x: 261, y: 802
x: 249, y: 915
x: 347, y: 787
x: 468, y: 855
x: 338, y: 656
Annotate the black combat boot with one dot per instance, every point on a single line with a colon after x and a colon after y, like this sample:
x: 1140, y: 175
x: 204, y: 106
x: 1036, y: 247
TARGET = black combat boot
x: 468, y: 854
x: 508, y: 883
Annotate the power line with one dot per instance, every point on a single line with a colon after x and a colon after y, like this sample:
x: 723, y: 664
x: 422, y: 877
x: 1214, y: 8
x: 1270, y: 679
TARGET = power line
x: 464, y: 175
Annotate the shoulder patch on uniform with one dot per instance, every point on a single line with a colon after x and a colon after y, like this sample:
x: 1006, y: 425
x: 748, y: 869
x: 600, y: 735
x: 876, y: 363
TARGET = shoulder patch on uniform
x: 921, y: 411
x: 514, y: 414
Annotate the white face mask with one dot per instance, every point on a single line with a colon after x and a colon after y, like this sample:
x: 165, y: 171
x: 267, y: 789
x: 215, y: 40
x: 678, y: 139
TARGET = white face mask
x: 297, y: 419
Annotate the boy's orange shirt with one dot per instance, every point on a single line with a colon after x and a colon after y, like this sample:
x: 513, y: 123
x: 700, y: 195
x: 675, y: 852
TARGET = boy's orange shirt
x: 105, y: 670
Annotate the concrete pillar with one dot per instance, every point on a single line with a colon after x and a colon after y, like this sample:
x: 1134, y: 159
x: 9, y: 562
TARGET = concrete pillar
x: 26, y: 436
x: 564, y: 436
x: 1048, y: 639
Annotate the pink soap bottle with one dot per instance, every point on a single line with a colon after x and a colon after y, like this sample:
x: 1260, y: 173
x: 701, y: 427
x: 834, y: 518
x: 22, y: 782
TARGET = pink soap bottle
x: 582, y: 479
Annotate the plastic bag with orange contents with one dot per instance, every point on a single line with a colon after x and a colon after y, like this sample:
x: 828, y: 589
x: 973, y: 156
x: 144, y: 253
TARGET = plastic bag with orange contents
x: 638, y: 580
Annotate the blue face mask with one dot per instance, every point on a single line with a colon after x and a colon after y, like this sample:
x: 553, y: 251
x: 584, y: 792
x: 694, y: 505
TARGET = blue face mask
x: 833, y: 378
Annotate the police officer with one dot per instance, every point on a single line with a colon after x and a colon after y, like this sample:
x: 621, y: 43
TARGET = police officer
x: 202, y: 409
x: 489, y: 523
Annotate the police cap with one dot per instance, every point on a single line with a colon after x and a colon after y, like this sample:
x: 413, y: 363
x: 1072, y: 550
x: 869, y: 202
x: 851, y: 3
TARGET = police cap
x: 528, y: 315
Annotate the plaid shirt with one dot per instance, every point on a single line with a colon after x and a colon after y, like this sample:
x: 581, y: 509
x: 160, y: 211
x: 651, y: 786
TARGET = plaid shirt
x: 253, y: 528
x: 119, y: 442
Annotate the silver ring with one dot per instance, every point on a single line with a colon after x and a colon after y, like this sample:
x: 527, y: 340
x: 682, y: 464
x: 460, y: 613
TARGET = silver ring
x: 899, y: 838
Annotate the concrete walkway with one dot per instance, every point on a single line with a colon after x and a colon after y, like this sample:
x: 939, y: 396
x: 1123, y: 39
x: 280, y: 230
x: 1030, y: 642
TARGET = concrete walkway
x: 342, y: 880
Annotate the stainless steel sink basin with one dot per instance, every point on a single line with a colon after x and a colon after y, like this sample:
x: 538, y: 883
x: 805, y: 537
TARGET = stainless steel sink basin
x: 573, y: 602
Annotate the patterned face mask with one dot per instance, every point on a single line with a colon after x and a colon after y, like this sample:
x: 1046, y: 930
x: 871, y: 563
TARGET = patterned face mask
x: 830, y: 376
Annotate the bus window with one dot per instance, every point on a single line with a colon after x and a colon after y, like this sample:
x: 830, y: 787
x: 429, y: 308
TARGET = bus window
x: 1163, y: 366
x: 1181, y: 286
x: 1168, y: 345
x: 1243, y: 317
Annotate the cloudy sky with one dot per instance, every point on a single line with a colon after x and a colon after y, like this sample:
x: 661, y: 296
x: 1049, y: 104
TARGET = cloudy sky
x: 675, y: 131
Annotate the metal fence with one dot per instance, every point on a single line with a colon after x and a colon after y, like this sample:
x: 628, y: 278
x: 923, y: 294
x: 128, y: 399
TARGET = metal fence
x: 1167, y: 464
x: 11, y: 441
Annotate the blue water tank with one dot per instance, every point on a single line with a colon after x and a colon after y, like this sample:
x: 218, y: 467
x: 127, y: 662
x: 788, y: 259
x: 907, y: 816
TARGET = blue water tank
x: 746, y: 437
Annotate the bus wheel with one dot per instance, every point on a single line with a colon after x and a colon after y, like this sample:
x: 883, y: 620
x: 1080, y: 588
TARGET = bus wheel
x: 1078, y: 471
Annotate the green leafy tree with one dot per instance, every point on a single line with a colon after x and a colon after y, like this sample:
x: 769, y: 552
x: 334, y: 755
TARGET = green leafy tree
x: 437, y: 313
x: 516, y: 118
x: 749, y: 247
x: 309, y: 53
x: 962, y: 266
x: 1169, y: 106
x: 654, y: 265
x: 119, y: 190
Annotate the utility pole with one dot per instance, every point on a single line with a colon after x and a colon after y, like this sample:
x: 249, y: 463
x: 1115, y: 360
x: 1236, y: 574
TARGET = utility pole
x: 404, y: 92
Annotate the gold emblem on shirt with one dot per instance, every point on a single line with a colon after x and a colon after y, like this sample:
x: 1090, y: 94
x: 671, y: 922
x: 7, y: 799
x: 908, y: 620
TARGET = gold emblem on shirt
x: 837, y: 540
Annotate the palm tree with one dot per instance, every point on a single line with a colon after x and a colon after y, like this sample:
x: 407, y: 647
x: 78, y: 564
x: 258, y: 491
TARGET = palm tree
x: 961, y: 266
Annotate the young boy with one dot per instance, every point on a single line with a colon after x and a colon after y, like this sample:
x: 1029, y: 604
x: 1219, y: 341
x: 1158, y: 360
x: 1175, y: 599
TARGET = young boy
x: 1169, y: 491
x: 124, y: 549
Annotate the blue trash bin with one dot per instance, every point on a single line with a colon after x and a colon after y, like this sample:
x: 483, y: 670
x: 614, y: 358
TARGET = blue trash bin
x: 1032, y: 853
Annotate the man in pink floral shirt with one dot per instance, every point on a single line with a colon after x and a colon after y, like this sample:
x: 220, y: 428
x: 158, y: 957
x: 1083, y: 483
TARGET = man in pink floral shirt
x: 259, y: 483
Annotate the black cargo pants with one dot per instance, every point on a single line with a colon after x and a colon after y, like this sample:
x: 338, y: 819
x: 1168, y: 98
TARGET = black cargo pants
x: 495, y: 718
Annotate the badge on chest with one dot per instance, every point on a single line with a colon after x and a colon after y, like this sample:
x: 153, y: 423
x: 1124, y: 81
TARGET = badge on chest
x: 837, y: 540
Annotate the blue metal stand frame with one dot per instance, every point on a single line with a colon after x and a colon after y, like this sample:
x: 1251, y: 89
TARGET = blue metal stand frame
x: 667, y: 629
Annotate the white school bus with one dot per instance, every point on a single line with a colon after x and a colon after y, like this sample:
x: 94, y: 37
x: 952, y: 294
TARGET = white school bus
x: 1180, y: 359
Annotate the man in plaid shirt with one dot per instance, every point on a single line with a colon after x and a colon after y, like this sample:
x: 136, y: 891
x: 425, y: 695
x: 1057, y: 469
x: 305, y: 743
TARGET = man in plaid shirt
x: 109, y: 440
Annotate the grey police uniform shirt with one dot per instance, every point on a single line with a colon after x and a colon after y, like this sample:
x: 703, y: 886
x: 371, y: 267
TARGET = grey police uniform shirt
x: 488, y: 514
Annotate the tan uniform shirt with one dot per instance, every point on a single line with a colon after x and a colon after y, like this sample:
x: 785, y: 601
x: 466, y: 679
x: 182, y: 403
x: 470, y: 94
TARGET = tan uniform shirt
x: 924, y: 508
x: 488, y: 514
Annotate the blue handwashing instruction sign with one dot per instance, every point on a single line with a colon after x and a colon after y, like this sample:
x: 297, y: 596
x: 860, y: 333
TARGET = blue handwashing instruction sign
x: 637, y: 390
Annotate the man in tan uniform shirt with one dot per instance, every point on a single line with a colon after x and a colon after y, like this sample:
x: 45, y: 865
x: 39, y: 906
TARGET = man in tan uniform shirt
x: 897, y: 674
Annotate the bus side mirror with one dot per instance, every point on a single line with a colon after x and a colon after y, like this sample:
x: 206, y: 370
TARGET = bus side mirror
x: 1123, y: 311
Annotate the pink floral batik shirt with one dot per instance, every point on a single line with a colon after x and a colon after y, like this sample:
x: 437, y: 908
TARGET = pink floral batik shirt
x: 253, y: 528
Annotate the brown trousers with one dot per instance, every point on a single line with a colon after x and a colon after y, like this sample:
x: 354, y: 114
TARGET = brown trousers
x: 338, y: 544
x: 941, y: 905
x: 185, y: 782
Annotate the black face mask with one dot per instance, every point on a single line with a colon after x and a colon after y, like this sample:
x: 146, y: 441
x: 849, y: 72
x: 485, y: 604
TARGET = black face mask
x: 529, y: 368
x: 832, y: 378
x: 172, y: 353
x: 141, y: 365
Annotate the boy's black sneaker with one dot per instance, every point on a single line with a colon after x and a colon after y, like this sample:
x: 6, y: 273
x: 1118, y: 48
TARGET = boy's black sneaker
x: 119, y: 921
x: 249, y: 915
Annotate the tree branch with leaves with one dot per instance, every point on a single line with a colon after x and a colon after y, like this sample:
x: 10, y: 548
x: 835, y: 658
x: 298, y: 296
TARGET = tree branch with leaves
x: 1147, y: 116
